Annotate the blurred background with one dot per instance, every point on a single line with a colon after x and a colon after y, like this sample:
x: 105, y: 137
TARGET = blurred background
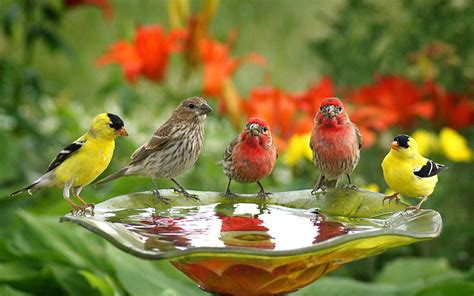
x: 399, y: 67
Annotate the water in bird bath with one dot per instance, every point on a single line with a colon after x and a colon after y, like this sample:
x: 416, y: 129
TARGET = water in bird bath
x: 247, y: 225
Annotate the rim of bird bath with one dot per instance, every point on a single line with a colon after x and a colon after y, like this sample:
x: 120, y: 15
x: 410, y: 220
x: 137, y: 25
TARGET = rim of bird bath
x: 227, y: 270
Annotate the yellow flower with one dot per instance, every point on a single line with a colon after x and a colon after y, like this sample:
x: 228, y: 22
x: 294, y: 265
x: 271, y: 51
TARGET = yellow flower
x: 454, y: 145
x: 298, y: 149
x: 427, y: 141
x: 371, y: 187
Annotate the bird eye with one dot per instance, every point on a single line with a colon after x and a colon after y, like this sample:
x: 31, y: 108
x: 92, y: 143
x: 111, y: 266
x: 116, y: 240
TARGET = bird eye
x: 265, y: 129
x: 111, y: 125
x: 339, y: 109
x: 191, y: 106
x: 321, y: 108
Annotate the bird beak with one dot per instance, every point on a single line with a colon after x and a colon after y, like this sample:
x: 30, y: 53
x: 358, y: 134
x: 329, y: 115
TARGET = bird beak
x: 122, y: 132
x: 204, y: 109
x: 394, y: 145
x: 254, y: 129
x: 330, y: 111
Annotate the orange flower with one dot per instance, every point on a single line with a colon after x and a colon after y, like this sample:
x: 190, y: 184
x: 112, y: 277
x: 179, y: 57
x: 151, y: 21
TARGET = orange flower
x: 451, y: 109
x: 397, y: 100
x: 219, y: 66
x: 102, y: 4
x: 148, y: 55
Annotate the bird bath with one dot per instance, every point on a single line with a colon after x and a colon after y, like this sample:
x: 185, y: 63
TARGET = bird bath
x: 247, y: 246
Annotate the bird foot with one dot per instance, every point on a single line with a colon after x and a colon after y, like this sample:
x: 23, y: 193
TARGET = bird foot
x: 350, y: 186
x: 230, y: 194
x: 321, y: 188
x: 185, y: 193
x: 413, y: 208
x: 391, y: 197
x: 80, y: 210
x: 159, y: 197
x: 264, y: 194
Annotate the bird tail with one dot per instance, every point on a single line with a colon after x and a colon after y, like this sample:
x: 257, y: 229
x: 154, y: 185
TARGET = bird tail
x: 112, y: 177
x: 31, y: 188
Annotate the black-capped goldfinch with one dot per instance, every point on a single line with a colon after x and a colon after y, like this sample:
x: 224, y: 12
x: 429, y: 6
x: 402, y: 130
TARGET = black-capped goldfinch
x: 83, y: 161
x: 407, y: 172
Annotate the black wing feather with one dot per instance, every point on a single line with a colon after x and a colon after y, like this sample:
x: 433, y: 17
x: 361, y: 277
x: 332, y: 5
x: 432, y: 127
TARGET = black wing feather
x: 430, y: 169
x: 65, y: 154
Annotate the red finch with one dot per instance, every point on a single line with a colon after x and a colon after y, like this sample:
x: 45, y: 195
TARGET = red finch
x: 173, y: 148
x: 251, y: 156
x: 335, y: 142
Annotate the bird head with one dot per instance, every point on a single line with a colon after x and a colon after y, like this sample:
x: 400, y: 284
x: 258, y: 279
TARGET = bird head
x: 195, y: 108
x: 331, y: 112
x: 257, y: 131
x: 404, y: 146
x: 107, y: 125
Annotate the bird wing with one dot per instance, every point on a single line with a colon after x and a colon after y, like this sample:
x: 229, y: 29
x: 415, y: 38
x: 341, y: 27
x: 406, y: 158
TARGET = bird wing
x: 359, y: 136
x: 66, y: 153
x: 162, y: 135
x: 230, y: 149
x: 430, y: 169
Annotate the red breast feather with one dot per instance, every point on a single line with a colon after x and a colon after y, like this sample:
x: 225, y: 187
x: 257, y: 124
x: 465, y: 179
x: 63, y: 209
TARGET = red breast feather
x: 335, y: 146
x: 253, y: 158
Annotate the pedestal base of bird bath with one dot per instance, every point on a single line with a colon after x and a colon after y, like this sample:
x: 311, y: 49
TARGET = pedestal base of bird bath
x: 250, y: 246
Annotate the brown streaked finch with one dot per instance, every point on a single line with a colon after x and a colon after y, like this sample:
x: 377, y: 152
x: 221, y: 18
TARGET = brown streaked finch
x: 251, y: 156
x: 336, y: 144
x: 173, y: 148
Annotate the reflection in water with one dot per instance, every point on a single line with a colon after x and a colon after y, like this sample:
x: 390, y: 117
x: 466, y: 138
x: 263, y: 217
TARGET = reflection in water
x: 233, y: 225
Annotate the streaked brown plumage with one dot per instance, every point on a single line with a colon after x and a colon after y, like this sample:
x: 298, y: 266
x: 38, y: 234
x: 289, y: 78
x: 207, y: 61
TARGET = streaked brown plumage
x: 251, y: 156
x: 173, y: 148
x: 335, y: 142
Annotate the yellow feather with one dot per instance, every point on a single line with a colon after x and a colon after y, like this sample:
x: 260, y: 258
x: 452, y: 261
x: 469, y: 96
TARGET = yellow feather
x: 398, y: 169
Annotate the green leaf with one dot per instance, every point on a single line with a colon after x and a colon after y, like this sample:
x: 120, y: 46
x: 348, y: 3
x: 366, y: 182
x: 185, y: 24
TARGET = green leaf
x: 142, y: 277
x: 103, y: 284
x: 72, y: 281
x: 413, y: 270
x: 9, y: 17
x: 448, y: 288
x: 6, y: 290
x: 16, y: 271
x: 330, y: 286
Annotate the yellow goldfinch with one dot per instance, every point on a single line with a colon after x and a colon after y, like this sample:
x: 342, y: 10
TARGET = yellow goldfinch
x: 83, y: 161
x: 407, y: 172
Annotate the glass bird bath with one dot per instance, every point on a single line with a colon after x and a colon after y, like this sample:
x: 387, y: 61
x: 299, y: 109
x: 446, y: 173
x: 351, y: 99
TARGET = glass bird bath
x: 250, y: 246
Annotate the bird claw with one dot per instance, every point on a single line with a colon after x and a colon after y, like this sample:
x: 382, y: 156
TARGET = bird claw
x: 412, y: 208
x: 264, y: 194
x: 186, y: 194
x: 390, y: 198
x: 321, y: 188
x: 160, y: 197
x: 229, y: 194
x: 81, y: 210
x: 350, y: 186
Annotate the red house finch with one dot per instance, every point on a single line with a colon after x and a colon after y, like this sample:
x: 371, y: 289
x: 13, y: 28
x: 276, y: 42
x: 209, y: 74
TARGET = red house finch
x: 173, y: 148
x: 251, y: 156
x: 335, y: 142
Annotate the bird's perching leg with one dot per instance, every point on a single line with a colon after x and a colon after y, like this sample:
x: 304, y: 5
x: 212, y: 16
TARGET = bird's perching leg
x: 350, y: 185
x: 227, y: 192
x: 418, y: 205
x: 318, y: 184
x: 75, y: 192
x: 262, y: 191
x: 75, y: 208
x: 156, y: 192
x: 183, y: 190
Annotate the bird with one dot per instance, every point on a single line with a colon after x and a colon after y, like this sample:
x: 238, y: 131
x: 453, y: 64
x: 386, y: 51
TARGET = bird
x: 335, y: 142
x: 173, y: 148
x: 81, y: 162
x: 251, y: 156
x: 407, y: 172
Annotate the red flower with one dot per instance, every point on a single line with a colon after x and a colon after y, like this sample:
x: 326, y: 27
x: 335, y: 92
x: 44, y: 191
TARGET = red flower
x: 102, y: 4
x: 148, y: 55
x: 451, y: 109
x: 219, y: 66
